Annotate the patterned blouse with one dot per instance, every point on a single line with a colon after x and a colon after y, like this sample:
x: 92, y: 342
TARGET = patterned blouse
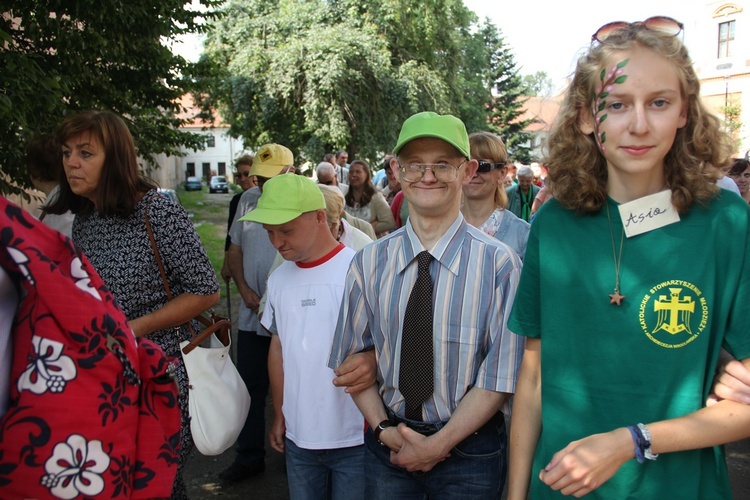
x: 120, y: 250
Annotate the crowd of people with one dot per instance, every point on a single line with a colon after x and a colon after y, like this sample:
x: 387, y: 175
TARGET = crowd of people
x: 544, y: 328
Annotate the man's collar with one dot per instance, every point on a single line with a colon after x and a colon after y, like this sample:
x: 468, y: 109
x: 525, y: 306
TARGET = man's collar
x: 446, y: 250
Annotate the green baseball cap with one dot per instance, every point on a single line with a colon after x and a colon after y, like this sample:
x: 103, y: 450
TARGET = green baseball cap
x: 428, y: 124
x: 284, y: 198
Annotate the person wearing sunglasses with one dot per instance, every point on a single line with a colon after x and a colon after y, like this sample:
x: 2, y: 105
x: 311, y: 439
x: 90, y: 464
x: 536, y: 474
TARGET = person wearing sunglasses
x: 626, y: 298
x: 246, y: 181
x: 484, y: 198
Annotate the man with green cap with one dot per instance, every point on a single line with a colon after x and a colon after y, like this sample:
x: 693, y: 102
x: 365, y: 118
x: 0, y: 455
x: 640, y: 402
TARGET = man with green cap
x: 250, y: 256
x: 316, y: 425
x: 435, y: 316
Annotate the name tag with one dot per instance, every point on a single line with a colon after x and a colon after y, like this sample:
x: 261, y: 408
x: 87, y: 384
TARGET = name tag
x: 648, y: 213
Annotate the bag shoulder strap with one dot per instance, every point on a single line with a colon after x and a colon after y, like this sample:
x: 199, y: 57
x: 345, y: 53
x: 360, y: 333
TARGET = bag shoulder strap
x: 156, y: 252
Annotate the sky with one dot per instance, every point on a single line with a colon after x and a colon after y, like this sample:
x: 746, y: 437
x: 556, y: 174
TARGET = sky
x: 548, y: 35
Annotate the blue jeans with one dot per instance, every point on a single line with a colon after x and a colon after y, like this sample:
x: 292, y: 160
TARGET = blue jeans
x: 477, y: 468
x: 308, y: 473
x: 252, y: 363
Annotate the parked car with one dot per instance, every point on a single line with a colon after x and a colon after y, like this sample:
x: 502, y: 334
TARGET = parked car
x: 193, y: 184
x: 218, y: 184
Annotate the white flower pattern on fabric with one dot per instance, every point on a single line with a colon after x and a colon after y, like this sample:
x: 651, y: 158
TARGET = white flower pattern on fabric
x: 83, y: 281
x: 49, y: 369
x: 76, y: 468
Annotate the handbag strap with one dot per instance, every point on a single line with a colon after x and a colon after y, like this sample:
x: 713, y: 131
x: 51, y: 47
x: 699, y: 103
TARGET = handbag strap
x: 159, y: 263
x: 156, y: 252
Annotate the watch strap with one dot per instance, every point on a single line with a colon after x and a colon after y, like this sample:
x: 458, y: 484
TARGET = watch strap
x: 380, y: 428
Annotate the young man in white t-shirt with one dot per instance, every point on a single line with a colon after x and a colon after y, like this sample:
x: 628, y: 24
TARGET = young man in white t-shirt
x: 316, y: 424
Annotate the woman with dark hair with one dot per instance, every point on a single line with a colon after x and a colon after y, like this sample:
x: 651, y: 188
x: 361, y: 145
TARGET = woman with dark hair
x: 363, y: 200
x: 739, y: 172
x: 43, y: 161
x: 111, y: 198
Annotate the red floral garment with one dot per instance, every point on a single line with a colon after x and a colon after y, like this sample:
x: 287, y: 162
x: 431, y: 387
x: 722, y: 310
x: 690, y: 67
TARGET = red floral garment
x: 92, y: 412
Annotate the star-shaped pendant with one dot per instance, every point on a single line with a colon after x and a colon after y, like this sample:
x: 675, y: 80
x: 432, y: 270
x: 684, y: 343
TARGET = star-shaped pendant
x: 616, y: 298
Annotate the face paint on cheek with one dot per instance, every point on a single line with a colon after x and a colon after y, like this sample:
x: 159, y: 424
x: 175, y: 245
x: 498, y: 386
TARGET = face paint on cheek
x: 608, y: 80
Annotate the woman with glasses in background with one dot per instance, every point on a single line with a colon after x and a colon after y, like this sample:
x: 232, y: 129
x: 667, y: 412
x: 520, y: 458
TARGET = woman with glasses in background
x: 626, y: 297
x: 484, y: 198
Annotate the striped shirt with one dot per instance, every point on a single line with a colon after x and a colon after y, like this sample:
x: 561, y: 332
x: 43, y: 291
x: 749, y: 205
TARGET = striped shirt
x: 474, y: 278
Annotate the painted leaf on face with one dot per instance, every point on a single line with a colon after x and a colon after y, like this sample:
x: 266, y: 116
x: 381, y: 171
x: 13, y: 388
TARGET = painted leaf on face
x: 604, y: 137
x: 621, y: 79
x: 622, y: 64
x: 603, y: 74
x: 602, y: 105
x: 603, y: 95
x: 604, y: 117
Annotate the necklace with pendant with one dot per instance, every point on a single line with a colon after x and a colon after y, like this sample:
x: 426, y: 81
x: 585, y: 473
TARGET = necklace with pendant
x: 616, y: 298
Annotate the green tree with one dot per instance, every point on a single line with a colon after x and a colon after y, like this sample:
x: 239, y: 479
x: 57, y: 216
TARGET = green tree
x: 538, y: 84
x: 318, y: 75
x: 505, y: 106
x: 61, y: 56
x: 733, y: 122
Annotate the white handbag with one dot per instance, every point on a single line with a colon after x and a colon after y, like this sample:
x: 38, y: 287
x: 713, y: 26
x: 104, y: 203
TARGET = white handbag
x: 219, y: 400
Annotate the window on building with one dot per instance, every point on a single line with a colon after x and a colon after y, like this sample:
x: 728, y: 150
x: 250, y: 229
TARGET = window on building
x: 206, y: 171
x: 190, y: 169
x: 222, y: 168
x: 726, y: 39
x: 211, y: 141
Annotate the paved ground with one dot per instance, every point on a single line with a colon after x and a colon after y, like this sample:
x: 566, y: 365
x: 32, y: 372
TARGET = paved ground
x: 202, y: 472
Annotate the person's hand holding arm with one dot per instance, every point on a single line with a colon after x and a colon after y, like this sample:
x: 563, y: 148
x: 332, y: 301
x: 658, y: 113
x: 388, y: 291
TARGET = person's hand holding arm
x: 357, y: 372
x: 424, y: 452
x: 732, y: 381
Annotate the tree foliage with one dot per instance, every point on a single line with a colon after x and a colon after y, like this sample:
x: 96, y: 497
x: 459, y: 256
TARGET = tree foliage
x: 505, y: 108
x: 538, y: 84
x: 318, y: 75
x: 60, y: 56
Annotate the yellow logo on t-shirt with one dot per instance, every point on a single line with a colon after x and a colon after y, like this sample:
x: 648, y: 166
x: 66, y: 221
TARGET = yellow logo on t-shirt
x: 673, y: 313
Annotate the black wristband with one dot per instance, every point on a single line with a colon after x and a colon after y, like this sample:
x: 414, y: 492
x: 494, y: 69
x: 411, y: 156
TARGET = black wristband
x: 380, y: 428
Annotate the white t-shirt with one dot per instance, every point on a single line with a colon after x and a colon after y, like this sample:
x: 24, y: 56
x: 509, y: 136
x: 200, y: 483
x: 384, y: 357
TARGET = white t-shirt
x: 8, y: 304
x: 727, y: 183
x: 302, y: 309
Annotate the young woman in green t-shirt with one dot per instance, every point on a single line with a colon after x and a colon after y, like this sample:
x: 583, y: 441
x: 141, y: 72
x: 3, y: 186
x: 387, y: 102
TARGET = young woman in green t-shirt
x: 626, y: 296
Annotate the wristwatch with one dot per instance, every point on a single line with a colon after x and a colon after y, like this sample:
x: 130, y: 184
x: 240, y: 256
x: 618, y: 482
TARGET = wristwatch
x: 380, y: 428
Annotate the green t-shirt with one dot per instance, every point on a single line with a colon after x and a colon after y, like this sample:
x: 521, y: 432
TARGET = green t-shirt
x: 687, y: 288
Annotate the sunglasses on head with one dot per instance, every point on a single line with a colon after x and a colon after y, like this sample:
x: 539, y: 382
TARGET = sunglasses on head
x: 485, y: 166
x: 662, y: 24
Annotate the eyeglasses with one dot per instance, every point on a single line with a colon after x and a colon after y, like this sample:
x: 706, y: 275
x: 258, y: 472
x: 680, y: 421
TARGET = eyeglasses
x: 443, y: 172
x: 326, y: 183
x: 485, y: 166
x: 242, y: 174
x: 662, y: 24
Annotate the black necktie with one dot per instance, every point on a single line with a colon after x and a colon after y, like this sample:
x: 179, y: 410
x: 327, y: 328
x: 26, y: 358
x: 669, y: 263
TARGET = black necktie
x: 416, y: 380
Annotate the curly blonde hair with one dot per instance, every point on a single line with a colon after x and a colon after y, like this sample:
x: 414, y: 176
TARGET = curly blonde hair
x: 489, y: 146
x: 578, y: 170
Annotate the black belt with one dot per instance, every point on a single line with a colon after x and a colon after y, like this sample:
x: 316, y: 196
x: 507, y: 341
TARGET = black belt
x: 426, y: 429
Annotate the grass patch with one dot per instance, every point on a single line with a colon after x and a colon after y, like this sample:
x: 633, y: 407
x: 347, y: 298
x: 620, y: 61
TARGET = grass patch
x: 210, y: 219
